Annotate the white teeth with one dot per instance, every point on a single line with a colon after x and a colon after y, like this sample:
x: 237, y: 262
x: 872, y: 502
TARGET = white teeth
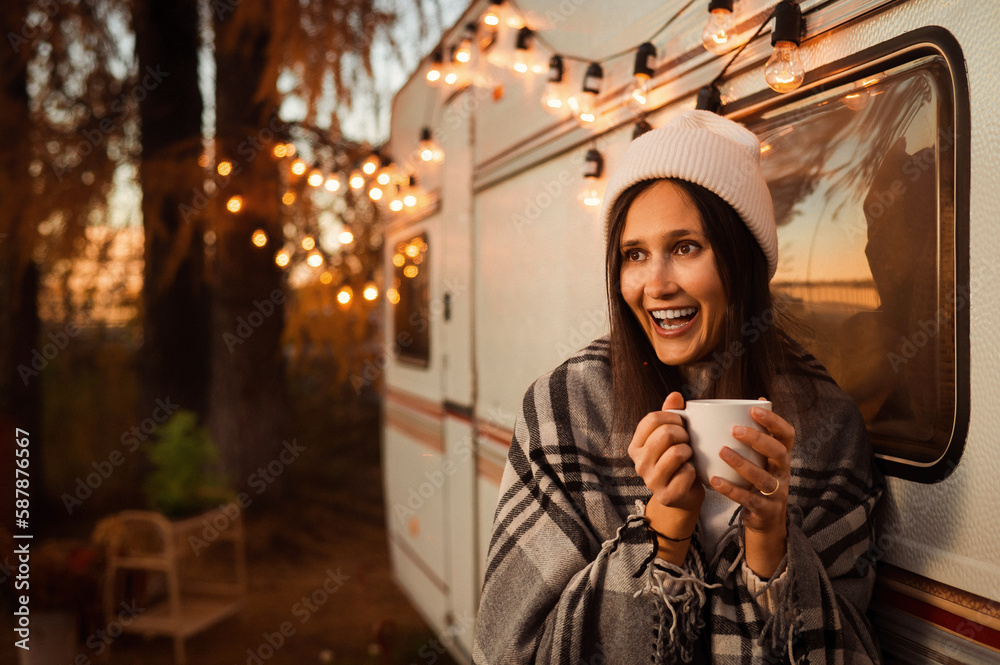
x: 661, y: 314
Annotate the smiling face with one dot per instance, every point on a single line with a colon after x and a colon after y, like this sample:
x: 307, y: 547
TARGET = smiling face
x: 669, y: 277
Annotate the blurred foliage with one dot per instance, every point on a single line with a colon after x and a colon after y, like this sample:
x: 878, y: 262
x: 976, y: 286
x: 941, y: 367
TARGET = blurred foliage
x: 185, y: 479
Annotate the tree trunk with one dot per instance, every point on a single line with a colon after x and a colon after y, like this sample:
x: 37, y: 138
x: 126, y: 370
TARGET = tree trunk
x: 248, y: 396
x: 20, y: 392
x: 176, y: 314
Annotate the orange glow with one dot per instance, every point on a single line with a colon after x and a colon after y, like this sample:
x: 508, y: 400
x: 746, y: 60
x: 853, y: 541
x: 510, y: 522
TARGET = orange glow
x: 280, y: 150
x: 308, y: 243
x: 288, y: 198
x: 298, y: 167
x: 411, y: 271
x: 371, y: 292
x: 398, y: 260
x: 315, y: 178
x: 203, y: 161
x: 326, y: 277
x: 393, y: 296
x: 344, y: 296
x: 224, y: 168
x: 332, y: 184
x: 412, y: 250
x: 345, y: 237
x: 282, y: 258
x: 259, y: 238
x: 234, y: 204
x: 315, y: 259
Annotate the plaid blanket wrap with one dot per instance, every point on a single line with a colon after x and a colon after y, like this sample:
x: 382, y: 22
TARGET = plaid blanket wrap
x: 572, y: 575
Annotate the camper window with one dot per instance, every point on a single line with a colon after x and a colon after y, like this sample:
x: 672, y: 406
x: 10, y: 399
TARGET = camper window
x: 410, y: 298
x: 863, y: 178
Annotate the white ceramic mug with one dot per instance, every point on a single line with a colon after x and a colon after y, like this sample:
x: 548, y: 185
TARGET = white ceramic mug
x: 709, y: 424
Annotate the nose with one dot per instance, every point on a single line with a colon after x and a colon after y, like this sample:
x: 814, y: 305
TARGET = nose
x: 661, y: 281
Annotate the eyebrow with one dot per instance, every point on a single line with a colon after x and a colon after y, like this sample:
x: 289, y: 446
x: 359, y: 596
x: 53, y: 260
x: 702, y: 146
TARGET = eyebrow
x: 672, y: 235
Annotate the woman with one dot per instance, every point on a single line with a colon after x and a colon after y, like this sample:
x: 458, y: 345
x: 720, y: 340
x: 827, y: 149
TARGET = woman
x: 606, y: 548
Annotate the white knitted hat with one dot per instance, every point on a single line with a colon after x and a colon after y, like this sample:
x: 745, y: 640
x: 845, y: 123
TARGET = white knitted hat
x: 711, y: 151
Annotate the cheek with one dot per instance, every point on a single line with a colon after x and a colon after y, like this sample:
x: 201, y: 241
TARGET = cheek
x: 631, y: 284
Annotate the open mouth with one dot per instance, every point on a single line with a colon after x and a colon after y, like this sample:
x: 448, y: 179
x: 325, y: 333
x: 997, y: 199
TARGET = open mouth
x: 674, y: 319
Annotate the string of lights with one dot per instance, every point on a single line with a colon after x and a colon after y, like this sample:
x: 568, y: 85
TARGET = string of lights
x: 503, y: 36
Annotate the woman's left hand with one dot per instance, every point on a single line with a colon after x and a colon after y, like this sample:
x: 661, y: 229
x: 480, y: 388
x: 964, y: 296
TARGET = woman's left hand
x: 766, y: 502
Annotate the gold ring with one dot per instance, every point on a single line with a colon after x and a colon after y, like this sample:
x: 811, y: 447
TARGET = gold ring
x: 777, y: 484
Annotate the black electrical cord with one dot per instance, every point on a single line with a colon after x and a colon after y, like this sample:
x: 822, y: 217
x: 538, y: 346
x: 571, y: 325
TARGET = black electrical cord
x: 541, y: 40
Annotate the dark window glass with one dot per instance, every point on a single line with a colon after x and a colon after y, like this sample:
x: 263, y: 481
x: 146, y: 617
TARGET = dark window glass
x: 410, y: 298
x: 862, y: 176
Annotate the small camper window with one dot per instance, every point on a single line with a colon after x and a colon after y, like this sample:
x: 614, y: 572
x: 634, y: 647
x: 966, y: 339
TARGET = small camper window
x: 862, y: 174
x: 410, y: 298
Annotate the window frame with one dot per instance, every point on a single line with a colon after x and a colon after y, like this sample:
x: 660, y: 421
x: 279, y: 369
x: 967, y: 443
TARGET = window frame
x: 891, y: 53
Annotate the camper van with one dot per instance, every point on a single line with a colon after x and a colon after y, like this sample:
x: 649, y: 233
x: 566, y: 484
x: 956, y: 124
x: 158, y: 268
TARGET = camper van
x: 883, y: 166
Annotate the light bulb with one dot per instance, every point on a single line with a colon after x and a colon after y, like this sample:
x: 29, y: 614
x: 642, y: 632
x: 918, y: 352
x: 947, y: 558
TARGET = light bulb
x: 357, y: 180
x: 371, y: 164
x: 784, y: 71
x: 492, y: 16
x: 522, y: 51
x: 586, y: 101
x: 716, y: 36
x: 590, y: 196
x: 637, y: 93
x: 463, y: 53
x: 434, y: 71
x: 429, y: 151
x: 554, y: 99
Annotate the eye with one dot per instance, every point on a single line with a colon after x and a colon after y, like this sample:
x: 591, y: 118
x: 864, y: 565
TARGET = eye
x: 632, y: 255
x: 687, y: 247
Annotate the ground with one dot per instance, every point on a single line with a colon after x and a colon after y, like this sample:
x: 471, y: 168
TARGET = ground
x: 327, y: 524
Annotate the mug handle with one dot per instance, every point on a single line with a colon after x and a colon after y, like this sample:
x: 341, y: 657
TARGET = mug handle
x: 679, y: 412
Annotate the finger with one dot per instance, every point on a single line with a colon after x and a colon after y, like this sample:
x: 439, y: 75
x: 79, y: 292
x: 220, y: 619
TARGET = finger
x: 763, y: 443
x: 750, y: 500
x: 680, y: 484
x: 779, y: 428
x: 674, y: 401
x: 650, y: 422
x: 671, y: 460
x: 656, y: 445
x: 760, y: 478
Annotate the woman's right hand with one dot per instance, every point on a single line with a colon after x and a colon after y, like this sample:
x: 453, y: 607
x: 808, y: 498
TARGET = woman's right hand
x: 661, y: 454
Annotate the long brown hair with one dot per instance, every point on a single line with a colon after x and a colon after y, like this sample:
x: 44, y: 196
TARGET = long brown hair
x: 752, y: 352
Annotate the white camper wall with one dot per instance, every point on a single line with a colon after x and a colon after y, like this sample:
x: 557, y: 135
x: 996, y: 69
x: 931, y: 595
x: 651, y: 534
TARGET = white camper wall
x: 945, y: 531
x: 524, y: 261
